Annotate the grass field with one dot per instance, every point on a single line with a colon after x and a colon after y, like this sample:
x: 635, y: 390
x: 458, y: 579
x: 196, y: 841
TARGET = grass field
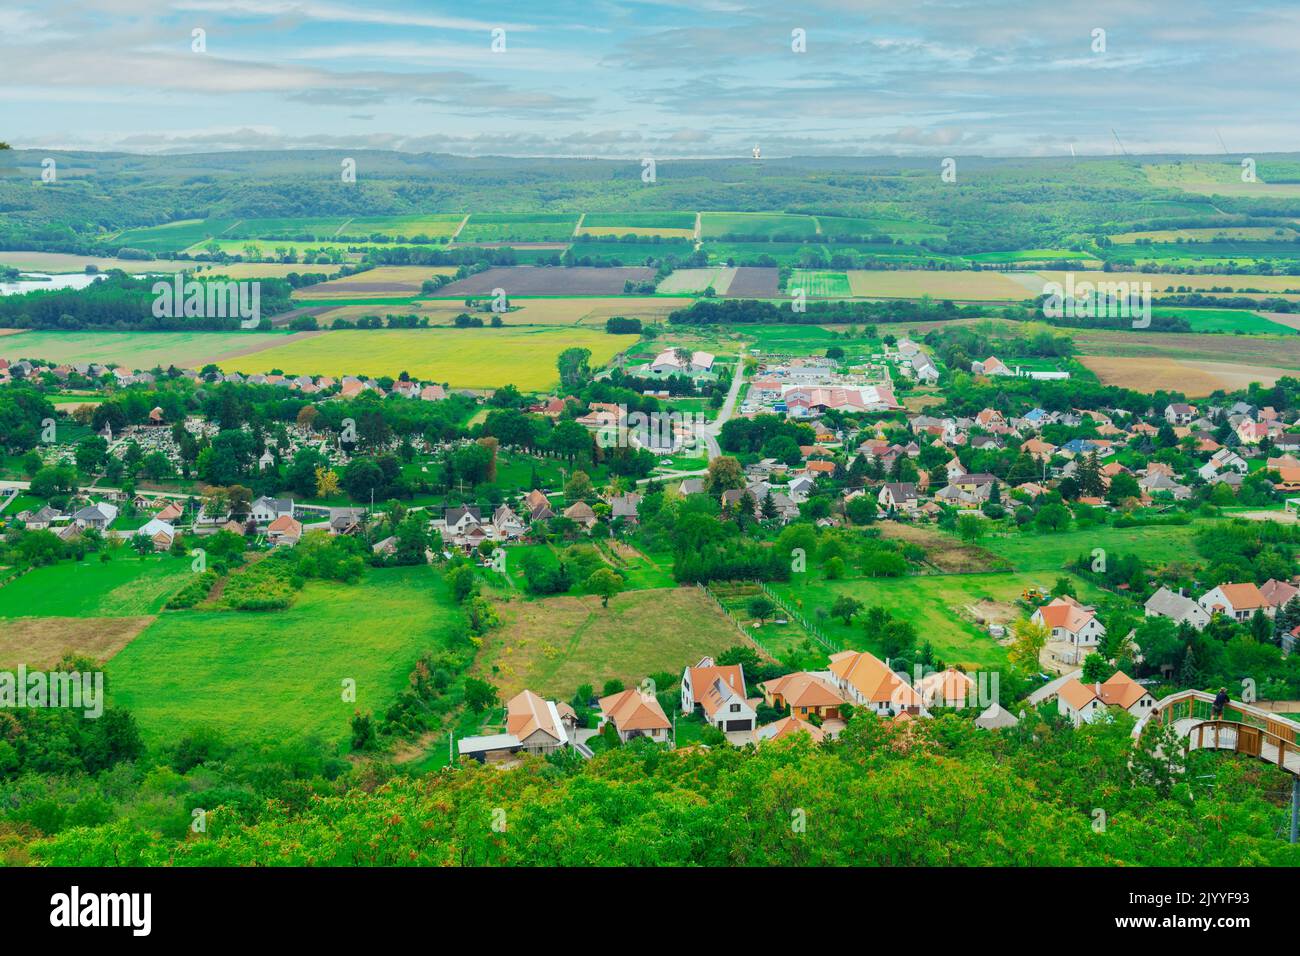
x: 1225, y: 233
x: 976, y: 286
x: 134, y: 350
x: 174, y: 236
x: 378, y: 282
x: 1237, y: 321
x: 1052, y: 552
x: 278, y: 675
x: 43, y: 641
x: 632, y: 253
x: 467, y: 358
x: 435, y: 226
x: 125, y: 586
x: 819, y: 283
x: 716, y: 224
x: 521, y: 227
x: 552, y: 645
x: 804, y: 339
x: 933, y: 603
x: 260, y: 270
x: 1166, y: 282
x: 1217, y: 179
x: 1032, y: 255
x: 60, y: 262
x: 850, y: 226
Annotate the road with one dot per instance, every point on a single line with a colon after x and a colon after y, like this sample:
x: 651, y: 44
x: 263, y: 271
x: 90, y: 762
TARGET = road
x: 711, y: 431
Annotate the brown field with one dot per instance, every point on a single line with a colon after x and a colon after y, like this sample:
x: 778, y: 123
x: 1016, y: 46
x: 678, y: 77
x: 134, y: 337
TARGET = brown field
x: 754, y: 283
x: 1162, y: 281
x: 1290, y: 319
x: 552, y: 645
x: 55, y: 262
x: 381, y: 282
x: 1266, y: 351
x: 42, y: 641
x: 1190, y: 376
x: 911, y: 283
x: 537, y: 280
x: 947, y: 554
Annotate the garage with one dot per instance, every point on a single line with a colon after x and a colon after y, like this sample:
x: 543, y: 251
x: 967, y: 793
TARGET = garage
x: 739, y: 725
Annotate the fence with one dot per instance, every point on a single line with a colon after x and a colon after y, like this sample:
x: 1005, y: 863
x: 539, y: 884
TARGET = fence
x: 746, y: 634
x: 815, y: 632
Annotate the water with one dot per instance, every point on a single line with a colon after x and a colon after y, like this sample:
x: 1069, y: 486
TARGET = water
x: 35, y: 281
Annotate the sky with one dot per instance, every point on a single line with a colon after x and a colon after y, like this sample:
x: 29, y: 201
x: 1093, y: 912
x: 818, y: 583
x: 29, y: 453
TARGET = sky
x: 668, y: 79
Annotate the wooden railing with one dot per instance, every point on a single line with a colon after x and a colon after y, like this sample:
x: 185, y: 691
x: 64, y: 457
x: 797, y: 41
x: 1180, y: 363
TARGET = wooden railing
x: 1241, y: 727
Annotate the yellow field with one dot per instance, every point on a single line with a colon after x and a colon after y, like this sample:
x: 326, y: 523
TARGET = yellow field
x: 378, y: 283
x: 1160, y: 281
x: 1210, y: 179
x: 909, y: 283
x: 1191, y: 377
x: 464, y: 358
x: 1226, y: 234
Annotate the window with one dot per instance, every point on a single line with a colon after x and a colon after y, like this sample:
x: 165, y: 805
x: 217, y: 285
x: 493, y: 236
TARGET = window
x: 735, y: 708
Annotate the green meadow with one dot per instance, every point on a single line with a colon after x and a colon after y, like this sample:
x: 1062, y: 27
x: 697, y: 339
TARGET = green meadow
x: 125, y: 586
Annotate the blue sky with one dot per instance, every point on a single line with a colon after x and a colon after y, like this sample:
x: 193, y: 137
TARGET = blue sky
x: 663, y: 79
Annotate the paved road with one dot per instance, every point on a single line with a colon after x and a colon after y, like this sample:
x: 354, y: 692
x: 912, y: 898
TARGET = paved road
x: 711, y: 431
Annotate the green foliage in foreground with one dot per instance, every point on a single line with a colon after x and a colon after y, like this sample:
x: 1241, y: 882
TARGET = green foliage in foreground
x: 935, y: 792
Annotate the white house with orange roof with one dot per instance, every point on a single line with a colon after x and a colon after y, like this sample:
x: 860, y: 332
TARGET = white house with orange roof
x: 1070, y: 622
x: 1237, y: 601
x: 636, y: 714
x: 788, y: 727
x: 1084, y: 703
x: 866, y: 681
x: 719, y: 692
x: 806, y: 695
x: 947, y: 688
x: 533, y: 726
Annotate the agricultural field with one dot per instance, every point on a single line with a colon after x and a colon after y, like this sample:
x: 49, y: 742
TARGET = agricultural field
x: 939, y: 284
x: 820, y: 284
x: 55, y: 263
x: 678, y: 225
x: 697, y: 280
x: 277, y: 675
x: 534, y: 280
x: 1234, y: 321
x: 1219, y: 179
x: 1171, y: 282
x: 1199, y: 253
x: 174, y: 236
x: 1032, y: 255
x: 631, y: 253
x: 1194, y: 378
x: 379, y: 282
x: 1208, y: 234
x: 714, y: 225
x: 466, y: 358
x: 1282, y: 350
x: 258, y: 270
x: 294, y: 227
x: 753, y: 283
x: 551, y: 645
x: 522, y: 227
x: 434, y: 225
x: 809, y: 339
x: 135, y: 350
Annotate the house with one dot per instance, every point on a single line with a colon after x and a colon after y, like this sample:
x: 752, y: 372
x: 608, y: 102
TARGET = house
x: 990, y: 366
x: 636, y: 714
x: 507, y: 523
x: 170, y: 512
x: 159, y: 532
x: 285, y: 530
x: 719, y: 693
x: 788, y: 727
x: 947, y: 688
x: 1238, y: 601
x: 996, y: 718
x: 1277, y: 594
x: 433, y: 393
x: 42, y: 519
x: 534, y: 499
x: 1177, y: 607
x: 1179, y: 413
x: 1084, y: 703
x: 1070, y: 622
x: 625, y: 507
x: 669, y: 362
x: 266, y: 510
x: 533, y: 726
x: 901, y: 496
x: 805, y: 694
x: 346, y: 520
x: 866, y: 681
x: 459, y: 520
x: 98, y: 516
x: 580, y: 512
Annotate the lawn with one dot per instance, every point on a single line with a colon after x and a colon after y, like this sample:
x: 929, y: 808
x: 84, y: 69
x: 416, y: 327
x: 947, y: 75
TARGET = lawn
x: 1044, y: 552
x: 280, y: 674
x: 931, y: 602
x: 467, y: 358
x: 124, y: 586
x: 553, y: 645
